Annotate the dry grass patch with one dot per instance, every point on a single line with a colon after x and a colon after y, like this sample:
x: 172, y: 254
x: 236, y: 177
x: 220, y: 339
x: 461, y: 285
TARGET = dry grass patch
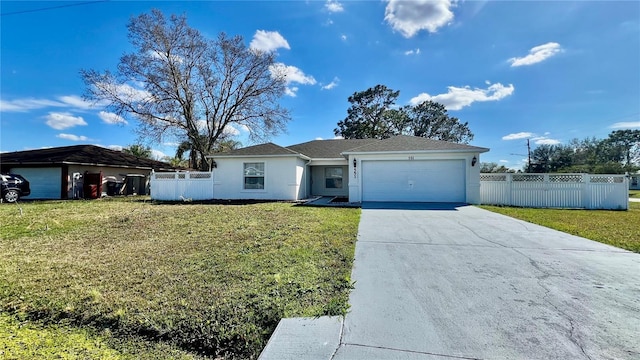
x: 617, y: 228
x: 212, y: 279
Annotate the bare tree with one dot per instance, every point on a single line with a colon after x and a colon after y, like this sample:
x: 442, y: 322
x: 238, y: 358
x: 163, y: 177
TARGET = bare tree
x: 179, y: 84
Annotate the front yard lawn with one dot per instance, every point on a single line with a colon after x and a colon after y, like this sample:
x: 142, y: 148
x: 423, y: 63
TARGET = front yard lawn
x: 634, y: 193
x: 617, y: 228
x: 203, y: 280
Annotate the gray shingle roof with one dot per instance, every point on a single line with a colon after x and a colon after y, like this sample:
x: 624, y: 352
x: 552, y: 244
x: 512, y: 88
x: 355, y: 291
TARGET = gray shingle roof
x: 333, y: 149
x: 258, y: 150
x: 329, y: 149
x: 81, y: 154
x: 403, y: 143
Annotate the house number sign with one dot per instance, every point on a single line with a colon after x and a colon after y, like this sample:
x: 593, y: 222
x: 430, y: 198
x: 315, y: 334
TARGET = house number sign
x: 411, y: 158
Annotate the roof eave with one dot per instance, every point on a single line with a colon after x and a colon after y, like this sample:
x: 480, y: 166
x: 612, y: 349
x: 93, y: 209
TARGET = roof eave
x: 258, y: 156
x: 475, y: 150
x: 30, y: 163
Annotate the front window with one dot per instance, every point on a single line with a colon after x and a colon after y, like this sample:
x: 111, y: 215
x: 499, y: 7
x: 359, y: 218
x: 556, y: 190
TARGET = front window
x: 333, y: 178
x: 254, y: 176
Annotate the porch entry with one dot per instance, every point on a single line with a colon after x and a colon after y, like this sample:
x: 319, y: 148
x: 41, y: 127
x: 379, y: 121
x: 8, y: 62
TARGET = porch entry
x: 330, y: 180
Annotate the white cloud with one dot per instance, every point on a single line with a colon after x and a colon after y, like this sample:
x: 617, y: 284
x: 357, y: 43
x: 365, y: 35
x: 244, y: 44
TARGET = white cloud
x: 73, y: 137
x: 160, y: 56
x: 111, y: 118
x: 517, y: 136
x: 318, y: 138
x: 268, y: 41
x: 292, y: 75
x: 332, y: 84
x: 543, y: 140
x: 126, y: 92
x: 23, y: 105
x: 413, y: 52
x: 291, y: 91
x: 626, y: 125
x: 333, y: 6
x: 157, y: 154
x: 231, y: 130
x: 115, y: 147
x: 343, y: 37
x: 409, y: 17
x: 537, y: 54
x: 458, y: 97
x: 77, y: 102
x: 504, y: 161
x: 60, y: 121
x: 338, y: 137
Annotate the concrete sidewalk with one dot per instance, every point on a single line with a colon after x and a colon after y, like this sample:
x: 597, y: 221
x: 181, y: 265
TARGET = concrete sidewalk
x: 442, y: 281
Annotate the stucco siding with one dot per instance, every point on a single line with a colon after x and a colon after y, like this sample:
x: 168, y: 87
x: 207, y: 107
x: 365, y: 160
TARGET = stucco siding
x: 282, y: 178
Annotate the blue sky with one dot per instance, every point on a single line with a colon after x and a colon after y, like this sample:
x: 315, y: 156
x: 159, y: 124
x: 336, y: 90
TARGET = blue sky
x: 547, y: 71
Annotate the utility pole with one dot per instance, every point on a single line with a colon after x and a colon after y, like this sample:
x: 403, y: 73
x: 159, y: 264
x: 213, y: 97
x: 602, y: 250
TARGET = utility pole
x: 528, y: 156
x: 529, y: 153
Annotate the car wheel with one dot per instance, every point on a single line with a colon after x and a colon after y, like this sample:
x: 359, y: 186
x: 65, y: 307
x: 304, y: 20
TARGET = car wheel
x: 11, y: 196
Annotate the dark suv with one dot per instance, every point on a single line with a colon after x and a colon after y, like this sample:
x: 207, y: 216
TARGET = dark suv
x: 14, y: 187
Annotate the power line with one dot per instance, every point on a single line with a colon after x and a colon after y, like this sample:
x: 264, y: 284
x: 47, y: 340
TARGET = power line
x: 52, y: 7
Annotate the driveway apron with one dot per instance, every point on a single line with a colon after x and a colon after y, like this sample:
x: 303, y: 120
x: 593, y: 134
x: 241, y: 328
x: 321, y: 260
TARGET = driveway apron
x: 442, y: 281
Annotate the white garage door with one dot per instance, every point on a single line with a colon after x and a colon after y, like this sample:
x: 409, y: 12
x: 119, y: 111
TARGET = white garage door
x: 45, y: 183
x: 417, y: 180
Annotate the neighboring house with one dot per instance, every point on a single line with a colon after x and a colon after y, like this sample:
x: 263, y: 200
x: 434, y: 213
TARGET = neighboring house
x: 634, y: 181
x: 56, y: 173
x: 401, y: 168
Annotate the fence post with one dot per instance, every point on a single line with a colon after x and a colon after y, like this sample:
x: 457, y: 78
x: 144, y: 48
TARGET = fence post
x: 509, y: 188
x: 586, y: 196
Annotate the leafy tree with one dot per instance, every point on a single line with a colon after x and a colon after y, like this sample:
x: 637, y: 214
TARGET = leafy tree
x: 370, y: 114
x: 491, y: 167
x: 139, y: 150
x: 624, y: 145
x: 179, y: 84
x: 550, y: 158
x: 373, y: 115
x: 430, y: 119
x: 175, y: 161
x: 195, y: 160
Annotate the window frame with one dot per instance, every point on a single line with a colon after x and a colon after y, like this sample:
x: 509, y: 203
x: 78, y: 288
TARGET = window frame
x: 245, y: 176
x: 328, y: 177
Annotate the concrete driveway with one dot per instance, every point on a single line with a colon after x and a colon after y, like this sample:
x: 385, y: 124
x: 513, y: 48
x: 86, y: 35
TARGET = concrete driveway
x: 446, y: 281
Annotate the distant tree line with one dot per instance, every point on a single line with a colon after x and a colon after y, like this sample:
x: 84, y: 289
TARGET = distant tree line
x: 617, y: 154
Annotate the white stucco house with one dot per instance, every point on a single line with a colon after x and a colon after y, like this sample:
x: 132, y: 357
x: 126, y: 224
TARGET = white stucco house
x: 401, y: 168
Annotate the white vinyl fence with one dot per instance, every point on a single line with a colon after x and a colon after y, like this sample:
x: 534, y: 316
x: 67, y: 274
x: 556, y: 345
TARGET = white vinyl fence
x: 585, y: 191
x: 185, y: 186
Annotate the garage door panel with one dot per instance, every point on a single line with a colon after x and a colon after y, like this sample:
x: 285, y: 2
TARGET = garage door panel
x: 45, y: 183
x: 418, y: 180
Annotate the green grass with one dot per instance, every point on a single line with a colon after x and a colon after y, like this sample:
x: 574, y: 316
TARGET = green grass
x: 617, y: 228
x: 213, y: 280
x: 634, y: 193
x: 28, y: 340
x: 36, y: 342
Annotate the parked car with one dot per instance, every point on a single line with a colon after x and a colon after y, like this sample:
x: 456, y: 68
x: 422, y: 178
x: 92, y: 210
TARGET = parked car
x: 14, y: 187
